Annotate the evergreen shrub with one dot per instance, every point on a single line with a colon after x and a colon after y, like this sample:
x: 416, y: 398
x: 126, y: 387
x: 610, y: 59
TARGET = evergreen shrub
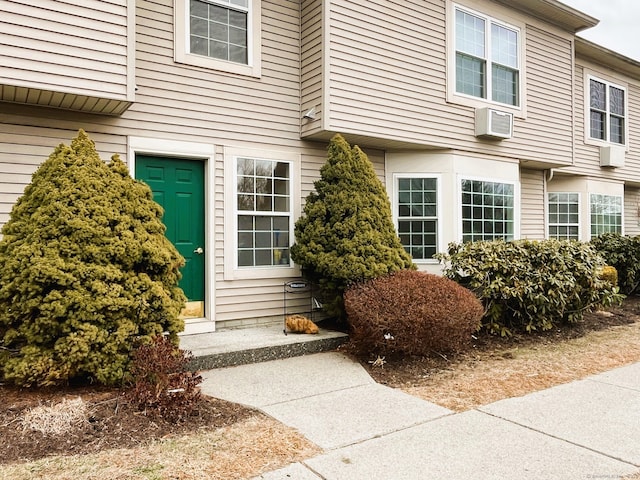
x: 346, y: 234
x: 531, y: 285
x: 413, y: 313
x: 87, y: 272
x: 623, y: 253
x: 162, y: 385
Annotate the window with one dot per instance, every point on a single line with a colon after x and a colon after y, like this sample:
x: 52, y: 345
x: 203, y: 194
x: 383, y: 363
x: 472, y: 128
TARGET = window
x: 487, y: 58
x: 219, y: 34
x: 606, y: 214
x: 263, y: 205
x: 488, y: 211
x: 418, y: 216
x: 564, y: 217
x: 607, y: 111
x: 219, y: 29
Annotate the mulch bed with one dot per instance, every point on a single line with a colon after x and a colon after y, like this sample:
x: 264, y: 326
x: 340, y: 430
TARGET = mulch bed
x: 110, y: 423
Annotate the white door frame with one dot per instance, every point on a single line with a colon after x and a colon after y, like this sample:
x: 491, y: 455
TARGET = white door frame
x: 206, y: 153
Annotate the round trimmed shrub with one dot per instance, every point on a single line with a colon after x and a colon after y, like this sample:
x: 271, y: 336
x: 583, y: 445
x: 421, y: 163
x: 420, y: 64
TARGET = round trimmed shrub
x: 411, y: 312
x: 87, y: 273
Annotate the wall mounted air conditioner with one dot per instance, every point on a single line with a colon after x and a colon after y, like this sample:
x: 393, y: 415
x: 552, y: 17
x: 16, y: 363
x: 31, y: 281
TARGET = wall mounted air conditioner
x: 491, y: 123
x: 612, y: 156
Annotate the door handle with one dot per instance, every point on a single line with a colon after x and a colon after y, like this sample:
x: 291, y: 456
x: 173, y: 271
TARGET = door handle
x: 199, y: 251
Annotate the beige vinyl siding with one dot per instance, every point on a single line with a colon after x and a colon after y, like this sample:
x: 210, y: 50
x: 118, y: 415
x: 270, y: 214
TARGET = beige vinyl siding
x: 631, y: 211
x: 76, y: 54
x: 311, y: 72
x: 532, y: 223
x: 386, y: 70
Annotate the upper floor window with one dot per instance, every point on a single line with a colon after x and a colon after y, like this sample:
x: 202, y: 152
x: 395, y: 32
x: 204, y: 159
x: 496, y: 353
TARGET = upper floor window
x: 219, y: 29
x: 487, y: 56
x: 488, y: 210
x: 607, y: 111
x: 219, y: 34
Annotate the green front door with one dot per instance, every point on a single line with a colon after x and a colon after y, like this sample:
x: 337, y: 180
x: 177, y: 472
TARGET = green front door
x: 178, y: 186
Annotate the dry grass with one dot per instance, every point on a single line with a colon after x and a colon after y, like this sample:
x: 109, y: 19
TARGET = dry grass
x: 490, y: 376
x: 243, y: 450
x: 63, y: 417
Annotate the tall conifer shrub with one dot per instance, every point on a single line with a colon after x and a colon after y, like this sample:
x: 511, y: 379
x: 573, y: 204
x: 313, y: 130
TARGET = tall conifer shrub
x: 346, y: 234
x: 86, y: 272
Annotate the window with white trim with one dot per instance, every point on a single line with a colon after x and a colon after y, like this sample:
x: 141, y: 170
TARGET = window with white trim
x: 563, y: 215
x: 607, y: 111
x: 219, y: 34
x: 264, y: 212
x: 488, y: 210
x: 219, y: 29
x: 606, y: 214
x: 487, y: 58
x: 417, y: 215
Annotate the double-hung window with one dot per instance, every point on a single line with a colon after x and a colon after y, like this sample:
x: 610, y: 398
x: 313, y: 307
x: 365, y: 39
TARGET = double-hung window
x: 264, y: 212
x: 607, y: 111
x: 606, y: 214
x: 219, y: 34
x: 564, y: 215
x: 417, y: 216
x: 487, y: 58
x: 488, y: 210
x: 219, y: 29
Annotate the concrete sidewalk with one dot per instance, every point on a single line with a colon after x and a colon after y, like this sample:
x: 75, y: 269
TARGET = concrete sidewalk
x: 584, y: 429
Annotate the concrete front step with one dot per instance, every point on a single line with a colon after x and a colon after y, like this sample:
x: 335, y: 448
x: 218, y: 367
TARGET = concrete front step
x: 227, y: 348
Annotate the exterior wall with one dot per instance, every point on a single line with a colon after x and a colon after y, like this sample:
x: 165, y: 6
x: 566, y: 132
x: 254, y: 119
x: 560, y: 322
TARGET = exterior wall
x: 385, y: 78
x: 76, y: 54
x: 533, y: 204
x: 632, y: 211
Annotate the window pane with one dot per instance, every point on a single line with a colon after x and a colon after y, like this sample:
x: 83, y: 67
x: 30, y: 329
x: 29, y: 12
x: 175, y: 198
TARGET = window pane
x: 504, y: 46
x: 617, y: 130
x: 417, y: 203
x: 597, y: 125
x: 504, y: 85
x: 470, y: 34
x: 598, y: 95
x: 616, y: 96
x: 470, y: 75
x: 606, y: 214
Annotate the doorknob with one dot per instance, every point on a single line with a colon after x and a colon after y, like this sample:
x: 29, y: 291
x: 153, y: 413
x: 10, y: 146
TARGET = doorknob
x: 199, y: 251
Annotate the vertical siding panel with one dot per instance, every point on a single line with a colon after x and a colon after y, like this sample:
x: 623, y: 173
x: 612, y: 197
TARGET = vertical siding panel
x: 632, y: 211
x: 311, y: 62
x: 532, y: 204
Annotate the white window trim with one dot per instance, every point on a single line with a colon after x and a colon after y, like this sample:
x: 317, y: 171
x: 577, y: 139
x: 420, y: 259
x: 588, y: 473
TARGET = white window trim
x: 231, y: 269
x: 517, y: 202
x: 548, y: 225
x: 396, y: 218
x: 453, y: 96
x: 254, y: 40
x: 587, y: 111
x: 621, y: 197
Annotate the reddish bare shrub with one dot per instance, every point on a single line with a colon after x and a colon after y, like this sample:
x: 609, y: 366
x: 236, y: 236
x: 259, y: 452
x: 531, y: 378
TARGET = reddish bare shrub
x: 413, y: 313
x: 162, y: 385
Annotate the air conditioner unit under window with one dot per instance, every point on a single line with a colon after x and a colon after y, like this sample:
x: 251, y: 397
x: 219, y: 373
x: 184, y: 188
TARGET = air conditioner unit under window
x: 612, y: 156
x: 491, y: 123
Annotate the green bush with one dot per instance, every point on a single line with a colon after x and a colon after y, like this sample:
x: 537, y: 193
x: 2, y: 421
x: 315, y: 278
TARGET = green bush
x: 413, y: 313
x: 531, y: 285
x: 87, y: 273
x: 623, y: 253
x: 346, y: 234
x: 161, y: 385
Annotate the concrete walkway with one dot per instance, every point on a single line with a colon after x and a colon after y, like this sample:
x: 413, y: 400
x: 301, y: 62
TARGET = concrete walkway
x: 584, y: 429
